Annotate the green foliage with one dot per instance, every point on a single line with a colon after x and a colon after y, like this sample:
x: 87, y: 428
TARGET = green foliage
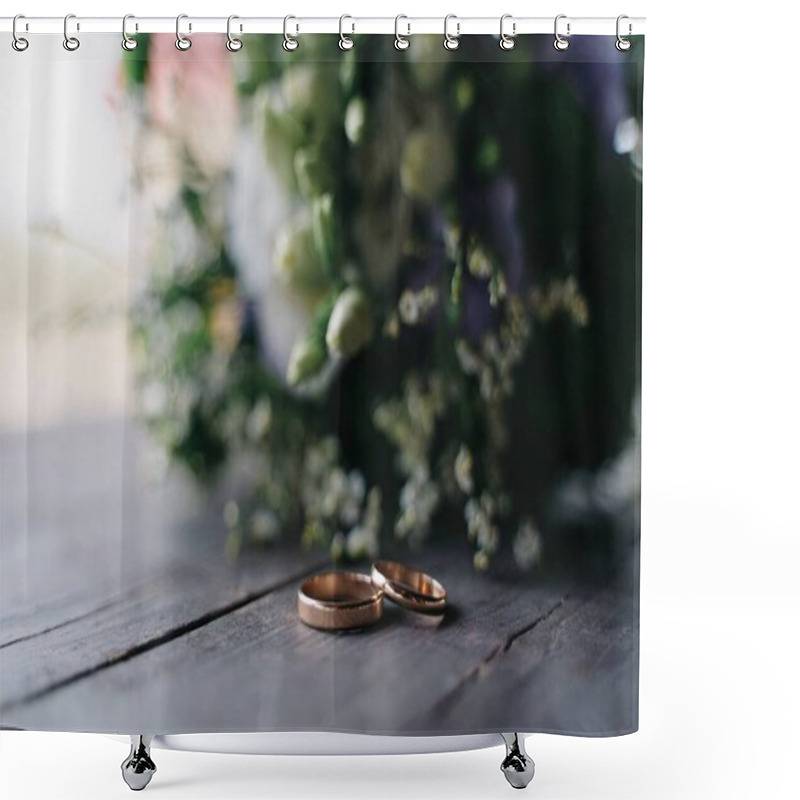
x: 378, y: 153
x: 134, y: 61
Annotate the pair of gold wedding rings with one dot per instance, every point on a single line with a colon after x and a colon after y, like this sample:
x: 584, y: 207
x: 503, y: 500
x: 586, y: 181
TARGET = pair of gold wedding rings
x: 335, y: 601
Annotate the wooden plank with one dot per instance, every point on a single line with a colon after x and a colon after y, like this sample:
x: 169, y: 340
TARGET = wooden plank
x: 140, y: 624
x: 259, y: 668
x: 79, y: 524
x: 34, y: 619
x: 576, y: 672
x: 140, y: 619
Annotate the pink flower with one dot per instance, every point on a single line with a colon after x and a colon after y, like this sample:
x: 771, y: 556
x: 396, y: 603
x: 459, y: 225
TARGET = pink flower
x: 191, y: 95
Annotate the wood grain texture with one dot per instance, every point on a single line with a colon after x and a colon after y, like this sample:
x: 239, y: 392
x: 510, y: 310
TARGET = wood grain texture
x: 80, y: 523
x: 575, y: 672
x: 182, y: 640
x: 187, y: 597
x: 257, y: 667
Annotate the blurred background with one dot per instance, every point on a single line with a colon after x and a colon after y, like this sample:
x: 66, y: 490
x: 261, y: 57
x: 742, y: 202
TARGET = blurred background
x: 347, y: 296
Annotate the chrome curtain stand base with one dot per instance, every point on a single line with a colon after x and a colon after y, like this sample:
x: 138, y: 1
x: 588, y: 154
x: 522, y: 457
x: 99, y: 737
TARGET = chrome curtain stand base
x: 138, y: 768
x: 517, y: 766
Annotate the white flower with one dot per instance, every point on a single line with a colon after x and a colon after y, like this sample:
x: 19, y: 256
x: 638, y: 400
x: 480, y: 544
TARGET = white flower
x: 306, y: 359
x: 419, y: 499
x: 463, y: 470
x: 481, y: 528
x: 527, y: 545
x: 311, y: 92
x: 264, y: 526
x: 352, y: 498
x: 193, y: 98
x: 259, y: 420
x: 334, y: 493
x: 297, y: 263
x: 158, y: 167
x: 362, y: 542
x: 350, y: 324
x: 415, y: 307
x: 428, y: 164
x: 354, y: 118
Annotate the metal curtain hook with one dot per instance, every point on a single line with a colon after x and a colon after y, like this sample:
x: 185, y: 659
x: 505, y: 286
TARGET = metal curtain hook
x: 70, y: 42
x: 181, y: 41
x: 127, y: 42
x: 233, y: 44
x: 400, y: 42
x: 289, y: 42
x: 507, y: 42
x: 561, y: 43
x: 345, y: 42
x: 451, y: 42
x: 19, y: 43
x: 623, y: 44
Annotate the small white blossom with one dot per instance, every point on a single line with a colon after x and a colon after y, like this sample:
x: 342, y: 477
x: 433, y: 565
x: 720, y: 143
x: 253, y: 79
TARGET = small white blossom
x: 351, y: 323
x: 354, y: 119
x: 527, y: 545
x: 419, y: 499
x: 364, y: 538
x: 264, y: 526
x: 415, y: 307
x: 428, y: 163
x: 352, y: 498
x: 481, y: 528
x: 463, y: 470
x: 259, y: 420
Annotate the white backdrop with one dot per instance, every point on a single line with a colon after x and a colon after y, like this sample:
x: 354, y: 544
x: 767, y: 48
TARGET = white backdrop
x: 720, y: 442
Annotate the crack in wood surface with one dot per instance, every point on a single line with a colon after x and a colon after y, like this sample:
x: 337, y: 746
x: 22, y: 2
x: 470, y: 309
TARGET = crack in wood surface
x: 72, y: 620
x: 157, y: 641
x: 486, y: 663
x: 511, y: 638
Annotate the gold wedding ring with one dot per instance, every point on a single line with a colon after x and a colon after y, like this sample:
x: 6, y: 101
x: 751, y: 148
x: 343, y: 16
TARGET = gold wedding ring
x: 334, y: 601
x: 409, y: 587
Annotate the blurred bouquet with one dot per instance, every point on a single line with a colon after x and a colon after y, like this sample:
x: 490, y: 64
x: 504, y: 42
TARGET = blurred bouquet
x: 342, y: 317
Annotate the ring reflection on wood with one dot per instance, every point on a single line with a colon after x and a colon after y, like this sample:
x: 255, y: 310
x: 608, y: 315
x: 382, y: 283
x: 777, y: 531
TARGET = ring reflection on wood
x: 339, y: 601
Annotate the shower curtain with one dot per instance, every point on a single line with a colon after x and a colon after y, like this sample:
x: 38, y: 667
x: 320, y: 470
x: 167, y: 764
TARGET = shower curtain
x: 271, y: 314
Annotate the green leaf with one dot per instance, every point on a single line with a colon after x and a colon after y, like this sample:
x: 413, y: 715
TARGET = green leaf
x: 134, y: 61
x: 323, y: 230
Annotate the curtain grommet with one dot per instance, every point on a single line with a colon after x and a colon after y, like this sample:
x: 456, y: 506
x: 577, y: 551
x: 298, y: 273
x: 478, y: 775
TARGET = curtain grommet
x: 128, y: 43
x: 233, y: 44
x: 345, y: 42
x: 622, y: 44
x: 507, y: 41
x: 71, y: 43
x: 183, y: 43
x: 290, y: 43
x: 560, y: 42
x: 451, y: 42
x: 19, y: 43
x: 401, y: 42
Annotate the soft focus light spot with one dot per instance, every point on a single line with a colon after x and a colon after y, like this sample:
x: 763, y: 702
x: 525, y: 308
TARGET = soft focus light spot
x: 626, y: 135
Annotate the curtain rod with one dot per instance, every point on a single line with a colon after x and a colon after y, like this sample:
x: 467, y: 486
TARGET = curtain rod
x: 631, y: 26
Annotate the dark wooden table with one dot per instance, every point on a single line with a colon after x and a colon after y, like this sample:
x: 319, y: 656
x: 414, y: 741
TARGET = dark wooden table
x: 121, y: 614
